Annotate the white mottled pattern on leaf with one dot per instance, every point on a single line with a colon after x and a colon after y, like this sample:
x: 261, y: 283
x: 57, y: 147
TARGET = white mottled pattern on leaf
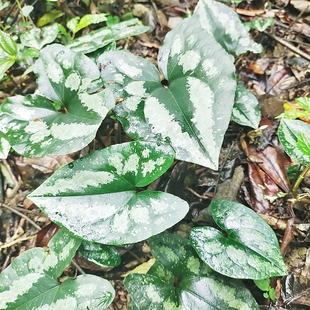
x: 96, y: 103
x: 119, y: 78
x: 120, y: 222
x: 73, y: 81
x: 176, y: 47
x: 131, y: 164
x: 38, y: 130
x: 67, y: 63
x: 129, y: 70
x: 136, y: 88
x: 189, y: 61
x: 54, y: 73
x: 67, y: 303
x: 210, y: 68
x: 150, y: 165
x: 79, y: 181
x: 22, y: 112
x: 202, y: 98
x: 73, y: 130
x: 18, y: 288
x: 184, y: 145
x: 140, y: 215
x: 131, y: 103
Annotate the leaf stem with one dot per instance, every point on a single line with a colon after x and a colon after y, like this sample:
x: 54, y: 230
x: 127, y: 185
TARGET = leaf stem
x: 299, y: 180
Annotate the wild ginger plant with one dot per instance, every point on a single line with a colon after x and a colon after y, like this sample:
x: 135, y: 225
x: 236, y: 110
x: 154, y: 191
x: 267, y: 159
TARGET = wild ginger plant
x: 101, y: 197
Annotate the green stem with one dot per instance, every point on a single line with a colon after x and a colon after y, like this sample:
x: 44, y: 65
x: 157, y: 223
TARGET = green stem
x: 20, y: 9
x: 299, y: 180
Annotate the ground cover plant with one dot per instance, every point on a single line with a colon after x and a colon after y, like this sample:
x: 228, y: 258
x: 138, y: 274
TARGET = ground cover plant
x: 101, y: 200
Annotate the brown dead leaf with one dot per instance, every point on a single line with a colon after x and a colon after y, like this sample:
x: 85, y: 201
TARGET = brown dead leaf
x: 301, y: 5
x: 46, y: 164
x: 46, y: 234
x: 267, y: 175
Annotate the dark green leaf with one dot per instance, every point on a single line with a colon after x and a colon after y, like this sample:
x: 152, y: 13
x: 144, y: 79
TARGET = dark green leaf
x: 30, y: 282
x: 246, y: 109
x: 224, y: 24
x: 32, y: 124
x: 100, y: 254
x: 96, y: 199
x: 288, y: 133
x: 177, y: 255
x: 249, y: 251
x: 149, y: 292
x: 186, y: 283
x: 215, y: 293
x: 189, y: 109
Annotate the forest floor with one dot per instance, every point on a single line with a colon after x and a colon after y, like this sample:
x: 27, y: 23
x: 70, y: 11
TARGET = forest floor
x: 278, y: 75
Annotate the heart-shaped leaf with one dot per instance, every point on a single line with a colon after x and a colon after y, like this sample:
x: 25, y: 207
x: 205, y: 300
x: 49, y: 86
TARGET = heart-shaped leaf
x: 31, y: 281
x: 191, y: 108
x: 180, y: 280
x: 288, y: 133
x: 96, y: 197
x: 246, y: 110
x: 249, y: 251
x: 66, y: 119
x: 104, y: 36
x: 100, y: 254
x: 224, y: 24
x: 38, y: 37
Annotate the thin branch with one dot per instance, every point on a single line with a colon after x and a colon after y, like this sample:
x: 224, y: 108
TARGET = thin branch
x: 22, y: 215
x: 289, y: 45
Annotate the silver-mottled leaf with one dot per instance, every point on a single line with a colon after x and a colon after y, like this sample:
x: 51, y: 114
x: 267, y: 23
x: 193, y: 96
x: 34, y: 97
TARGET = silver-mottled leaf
x: 106, y: 182
x: 225, y: 26
x: 246, y: 111
x: 193, y: 109
x: 65, y: 113
x: 31, y: 281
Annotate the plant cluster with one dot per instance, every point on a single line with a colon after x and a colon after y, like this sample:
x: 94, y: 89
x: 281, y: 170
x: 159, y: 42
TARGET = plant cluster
x: 100, y: 200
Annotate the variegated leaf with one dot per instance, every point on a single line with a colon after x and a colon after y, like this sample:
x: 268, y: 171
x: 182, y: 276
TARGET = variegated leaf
x: 246, y: 111
x: 97, y: 198
x: 224, y: 25
x: 65, y: 113
x: 180, y: 280
x: 191, y: 108
x: 39, y: 37
x: 104, y: 36
x: 31, y: 281
x: 249, y: 250
x: 288, y: 133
